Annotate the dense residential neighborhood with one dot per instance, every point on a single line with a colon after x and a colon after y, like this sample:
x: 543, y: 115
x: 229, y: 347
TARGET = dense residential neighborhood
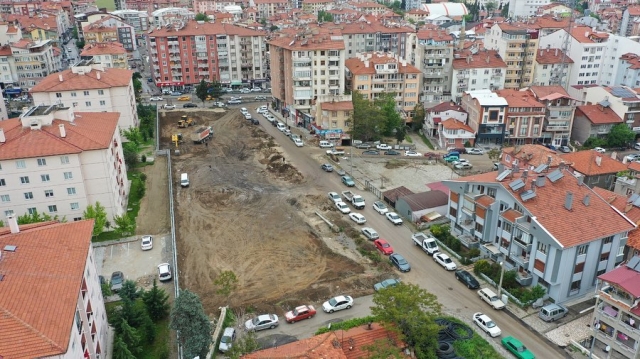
x: 180, y: 178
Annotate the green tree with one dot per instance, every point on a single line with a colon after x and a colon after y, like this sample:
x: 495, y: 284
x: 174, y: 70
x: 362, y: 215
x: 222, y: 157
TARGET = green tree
x: 410, y: 311
x: 387, y: 106
x: 131, y: 312
x: 215, y: 90
x: 156, y: 300
x: 125, y: 226
x: 202, y: 90
x: 273, y: 28
x: 120, y: 350
x: 592, y: 142
x: 494, y: 154
x: 189, y: 319
x: 490, y: 6
x: 98, y: 213
x: 34, y: 217
x: 245, y: 345
x: 202, y: 17
x: 324, y: 16
x: 130, y: 290
x: 130, y: 337
x: 74, y: 33
x: 80, y: 44
x: 130, y: 155
x: 401, y: 133
x: 134, y: 135
x: 620, y: 135
x: 418, y: 116
x: 505, y: 11
x: 263, y: 21
x: 366, y: 119
x: 226, y: 282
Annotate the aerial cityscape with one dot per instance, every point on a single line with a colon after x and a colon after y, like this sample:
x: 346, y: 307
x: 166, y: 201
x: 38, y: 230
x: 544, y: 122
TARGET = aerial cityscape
x: 319, y: 179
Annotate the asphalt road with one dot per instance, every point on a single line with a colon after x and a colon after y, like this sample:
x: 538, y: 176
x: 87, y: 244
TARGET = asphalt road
x: 454, y: 296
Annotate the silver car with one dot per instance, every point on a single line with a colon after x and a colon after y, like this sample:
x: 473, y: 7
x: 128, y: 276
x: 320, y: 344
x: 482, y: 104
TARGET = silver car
x: 261, y: 322
x: 226, y: 342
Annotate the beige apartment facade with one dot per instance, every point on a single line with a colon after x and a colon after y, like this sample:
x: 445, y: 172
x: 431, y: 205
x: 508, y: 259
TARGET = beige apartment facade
x: 517, y: 45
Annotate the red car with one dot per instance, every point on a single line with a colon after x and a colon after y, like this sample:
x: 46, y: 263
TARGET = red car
x: 383, y: 246
x: 301, y: 312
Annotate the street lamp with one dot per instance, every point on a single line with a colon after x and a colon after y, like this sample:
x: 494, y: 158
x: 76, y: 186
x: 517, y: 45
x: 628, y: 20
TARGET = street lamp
x: 501, y: 276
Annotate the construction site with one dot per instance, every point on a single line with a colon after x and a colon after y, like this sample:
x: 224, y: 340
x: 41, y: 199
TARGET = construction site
x: 248, y: 211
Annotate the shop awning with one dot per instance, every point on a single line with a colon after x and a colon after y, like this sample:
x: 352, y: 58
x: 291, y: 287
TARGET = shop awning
x: 236, y: 83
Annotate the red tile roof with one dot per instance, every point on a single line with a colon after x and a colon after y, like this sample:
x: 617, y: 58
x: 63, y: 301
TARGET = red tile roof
x: 360, y: 67
x: 90, y: 131
x: 485, y: 201
x: 530, y: 155
x: 192, y: 28
x: 585, y: 35
x: 596, y: 220
x: 632, y: 212
x: 103, y: 48
x: 446, y: 106
x: 483, y: 59
x: 552, y: 56
x: 632, y: 59
x: 634, y: 166
x: 634, y: 10
x: 518, y: 99
x: 597, y: 114
x: 625, y: 277
x: 110, y: 77
x: 453, y: 124
x: 592, y: 163
x: 511, y: 215
x: 435, y: 34
x: 553, y: 92
x: 337, y: 106
x: 40, y: 288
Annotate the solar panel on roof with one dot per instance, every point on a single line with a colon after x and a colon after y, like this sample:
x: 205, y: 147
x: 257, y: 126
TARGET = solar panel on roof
x: 516, y: 185
x: 503, y: 175
x: 555, y: 175
x: 633, y: 197
x: 541, y: 168
x: 621, y: 92
x: 634, y: 263
x: 637, y: 202
x: 527, y: 195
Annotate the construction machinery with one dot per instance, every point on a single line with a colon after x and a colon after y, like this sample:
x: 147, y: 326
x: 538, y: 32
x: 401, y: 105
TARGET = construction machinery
x: 185, y: 122
x: 176, y: 139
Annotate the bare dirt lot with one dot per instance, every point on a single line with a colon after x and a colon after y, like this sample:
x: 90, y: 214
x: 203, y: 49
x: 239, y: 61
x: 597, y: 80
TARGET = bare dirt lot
x: 248, y: 211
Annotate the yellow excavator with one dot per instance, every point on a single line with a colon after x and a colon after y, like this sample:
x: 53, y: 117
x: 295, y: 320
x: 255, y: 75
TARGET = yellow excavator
x: 185, y: 122
x: 176, y: 139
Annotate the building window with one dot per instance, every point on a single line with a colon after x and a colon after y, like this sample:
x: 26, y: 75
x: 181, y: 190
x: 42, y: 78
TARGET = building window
x: 71, y: 191
x: 491, y: 192
x: 87, y: 103
x: 86, y: 93
x: 42, y: 161
x: 2, y: 182
x: 76, y: 219
x: 575, y: 286
x: 8, y: 213
x: 75, y: 206
x: 621, y: 250
x: 58, y: 94
x: 583, y: 249
x: 68, y: 175
x: 53, y: 209
x: 28, y: 195
x: 45, y: 178
x: 608, y: 240
x: 73, y: 94
x: 21, y: 164
x: 100, y: 92
x: 542, y: 247
x: 48, y: 193
x: 64, y: 160
x: 5, y: 198
x: 32, y: 210
x: 578, y: 268
x: 102, y: 103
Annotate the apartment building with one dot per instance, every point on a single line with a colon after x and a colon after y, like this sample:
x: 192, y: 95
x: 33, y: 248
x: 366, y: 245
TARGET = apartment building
x: 151, y: 6
x: 629, y: 26
x: 368, y: 7
x: 487, y: 115
x: 332, y: 117
x: 476, y: 70
x: 520, y: 218
x: 24, y: 63
x: 38, y: 28
x: 617, y: 315
x: 552, y: 67
x: 231, y: 54
x: 453, y: 133
x: 138, y: 19
x: 90, y: 87
x: 593, y: 121
x: 559, y: 113
x: 524, y: 118
x: 517, y: 46
x: 433, y: 55
x: 269, y: 8
x: 58, y: 309
x: 629, y: 71
x: 9, y: 33
x: 304, y: 67
x: 313, y: 6
x: 77, y: 161
x: 370, y: 34
x: 441, y: 112
x: 376, y: 74
x: 104, y: 28
x: 526, y: 8
x: 109, y: 54
x: 624, y: 101
x: 207, y: 6
x: 170, y: 16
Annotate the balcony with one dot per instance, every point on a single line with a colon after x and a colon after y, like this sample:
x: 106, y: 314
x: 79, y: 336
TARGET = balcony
x: 524, y: 278
x: 203, y: 73
x: 521, y: 260
x: 556, y: 128
x: 469, y: 241
x: 518, y: 240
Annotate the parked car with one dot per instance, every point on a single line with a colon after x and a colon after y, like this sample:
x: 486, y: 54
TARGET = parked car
x: 412, y: 154
x: 387, y: 283
x: 383, y: 246
x: 348, y: 181
x: 234, y: 102
x: 166, y: 106
x: 491, y: 298
x: 459, y: 161
x: 636, y: 146
x: 363, y: 146
x: 564, y: 149
x: 260, y: 98
x: 371, y: 152
x: 247, y: 116
x: 551, y: 312
x: 254, y: 121
x: 189, y: 105
x: 391, y: 153
x: 156, y: 98
x: 517, y: 348
x: 261, y: 322
x: 176, y: 93
x: 444, y: 260
x: 486, y: 324
x: 383, y: 146
x: 370, y: 233
x: 219, y: 104
x: 475, y: 151
x: 117, y: 278
x: 334, y: 197
x: 164, y: 272
x: 342, y: 207
x: 399, y: 262
x: 337, y: 303
x: 358, y: 218
x: 300, y: 313
x: 327, y: 167
x: 184, y: 98
x: 467, y: 278
x: 380, y: 207
x: 245, y: 90
x: 394, y: 218
x: 597, y: 149
x: 226, y: 342
x: 256, y: 89
x: 146, y: 243
x: 463, y: 166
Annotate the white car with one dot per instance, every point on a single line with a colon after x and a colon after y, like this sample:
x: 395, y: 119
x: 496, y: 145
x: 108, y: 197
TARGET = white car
x: 298, y: 142
x: 394, y: 218
x: 156, y: 98
x: 342, y: 207
x: 164, y: 271
x: 412, y: 154
x: 459, y: 161
x: 334, y: 197
x: 287, y: 132
x: 358, y: 218
x: 146, y: 243
x: 380, y: 207
x: 475, y: 151
x: 370, y: 233
x: 600, y: 150
x: 383, y: 146
x: 337, y: 303
x: 486, y: 324
x: 169, y: 107
x: 226, y: 342
x: 463, y: 166
x: 247, y: 116
x: 265, y: 321
x: 256, y: 89
x: 245, y: 90
x: 262, y: 109
x: 444, y: 261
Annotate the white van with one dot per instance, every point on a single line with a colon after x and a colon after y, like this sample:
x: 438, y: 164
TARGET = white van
x: 281, y: 126
x: 184, y: 180
x: 326, y: 144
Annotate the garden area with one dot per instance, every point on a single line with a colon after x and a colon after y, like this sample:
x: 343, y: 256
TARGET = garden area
x: 526, y: 295
x: 443, y: 234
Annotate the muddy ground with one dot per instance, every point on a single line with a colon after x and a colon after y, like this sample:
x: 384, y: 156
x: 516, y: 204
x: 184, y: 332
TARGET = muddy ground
x: 249, y: 212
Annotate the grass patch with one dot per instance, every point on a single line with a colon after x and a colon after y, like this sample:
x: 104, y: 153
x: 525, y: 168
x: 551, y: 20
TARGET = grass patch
x: 136, y: 192
x: 408, y: 138
x: 426, y: 141
x: 474, y: 348
x: 159, y: 349
x: 347, y: 324
x: 109, y: 4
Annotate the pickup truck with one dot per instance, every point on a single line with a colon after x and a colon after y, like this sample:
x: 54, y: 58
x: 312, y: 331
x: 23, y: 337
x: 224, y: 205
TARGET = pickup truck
x: 428, y: 244
x: 336, y: 151
x: 356, y: 200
